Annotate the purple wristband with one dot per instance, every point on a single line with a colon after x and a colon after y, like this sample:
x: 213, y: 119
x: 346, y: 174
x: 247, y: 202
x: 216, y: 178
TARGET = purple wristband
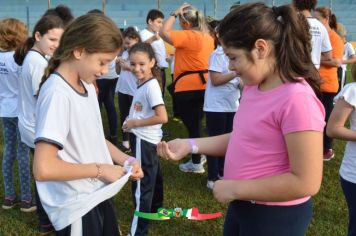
x: 193, y: 145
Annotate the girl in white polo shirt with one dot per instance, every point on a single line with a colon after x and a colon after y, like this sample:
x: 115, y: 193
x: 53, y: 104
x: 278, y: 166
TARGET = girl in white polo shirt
x: 74, y: 164
x: 12, y: 33
x: 147, y: 114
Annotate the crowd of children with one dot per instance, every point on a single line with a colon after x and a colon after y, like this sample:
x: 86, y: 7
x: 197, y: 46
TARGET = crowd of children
x: 266, y: 112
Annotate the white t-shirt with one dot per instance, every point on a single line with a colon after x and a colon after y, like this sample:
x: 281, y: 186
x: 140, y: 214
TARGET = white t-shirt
x: 348, y: 165
x: 320, y: 40
x: 146, y: 98
x: 9, y: 87
x: 348, y: 52
x: 225, y: 97
x: 127, y: 82
x: 32, y: 71
x: 112, y: 71
x: 158, y: 47
x: 72, y: 121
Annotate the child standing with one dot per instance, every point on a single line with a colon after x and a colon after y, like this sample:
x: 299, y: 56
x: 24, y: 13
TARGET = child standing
x: 274, y: 154
x: 343, y: 111
x: 13, y: 33
x: 220, y: 104
x: 127, y: 84
x: 147, y: 114
x: 74, y: 164
x: 150, y: 35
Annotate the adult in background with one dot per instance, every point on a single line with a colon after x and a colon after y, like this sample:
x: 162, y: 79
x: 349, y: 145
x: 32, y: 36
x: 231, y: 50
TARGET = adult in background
x: 193, y: 45
x: 328, y: 71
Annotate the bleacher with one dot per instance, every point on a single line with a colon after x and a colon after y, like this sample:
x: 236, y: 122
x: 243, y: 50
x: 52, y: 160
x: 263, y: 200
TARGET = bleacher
x: 133, y: 12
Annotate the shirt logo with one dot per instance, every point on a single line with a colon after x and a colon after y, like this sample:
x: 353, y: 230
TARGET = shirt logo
x: 138, y: 106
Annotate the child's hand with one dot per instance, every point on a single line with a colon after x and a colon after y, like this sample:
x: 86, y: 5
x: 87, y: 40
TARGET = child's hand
x: 128, y: 125
x: 174, y: 150
x: 111, y: 173
x: 137, y: 172
x: 224, y: 191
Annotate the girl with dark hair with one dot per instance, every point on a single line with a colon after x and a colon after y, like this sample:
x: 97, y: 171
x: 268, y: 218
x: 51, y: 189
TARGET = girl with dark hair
x: 147, y: 114
x: 273, y: 161
x: 74, y: 163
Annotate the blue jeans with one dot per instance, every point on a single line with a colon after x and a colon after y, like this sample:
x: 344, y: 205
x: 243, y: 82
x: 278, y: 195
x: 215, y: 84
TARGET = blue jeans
x: 244, y: 218
x: 349, y: 190
x: 14, y: 148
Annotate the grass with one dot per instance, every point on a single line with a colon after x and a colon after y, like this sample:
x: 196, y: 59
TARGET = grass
x: 189, y: 190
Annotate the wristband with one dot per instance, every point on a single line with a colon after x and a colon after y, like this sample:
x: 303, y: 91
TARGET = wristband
x: 129, y: 161
x: 173, y: 14
x: 193, y: 145
x: 100, y: 172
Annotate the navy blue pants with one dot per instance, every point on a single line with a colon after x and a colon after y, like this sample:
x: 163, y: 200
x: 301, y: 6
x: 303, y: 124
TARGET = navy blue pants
x: 99, y: 221
x: 217, y: 123
x: 244, y: 218
x: 125, y: 101
x: 106, y: 97
x: 328, y: 101
x: 147, y: 192
x: 349, y: 190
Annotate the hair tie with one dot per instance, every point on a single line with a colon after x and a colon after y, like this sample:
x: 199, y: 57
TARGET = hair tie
x: 197, y: 14
x: 276, y: 11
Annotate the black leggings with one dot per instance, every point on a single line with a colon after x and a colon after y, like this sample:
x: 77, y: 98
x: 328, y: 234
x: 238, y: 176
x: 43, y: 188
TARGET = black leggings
x: 328, y: 101
x: 189, y: 106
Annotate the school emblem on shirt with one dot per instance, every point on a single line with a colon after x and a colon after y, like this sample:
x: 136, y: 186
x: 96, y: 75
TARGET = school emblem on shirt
x: 138, y: 106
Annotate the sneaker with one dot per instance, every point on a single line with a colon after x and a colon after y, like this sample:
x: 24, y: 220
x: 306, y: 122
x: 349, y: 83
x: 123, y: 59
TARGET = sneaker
x: 329, y: 154
x: 46, y: 229
x: 28, y: 206
x: 189, y: 166
x: 210, y: 184
x: 9, y: 203
x: 202, y: 159
x: 124, y: 149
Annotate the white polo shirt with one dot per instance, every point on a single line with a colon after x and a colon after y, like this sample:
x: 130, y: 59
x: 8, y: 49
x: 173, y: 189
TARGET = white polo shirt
x: 158, y: 47
x: 225, y: 97
x: 146, y: 98
x: 127, y: 82
x: 72, y: 121
x: 9, y: 87
x: 31, y: 75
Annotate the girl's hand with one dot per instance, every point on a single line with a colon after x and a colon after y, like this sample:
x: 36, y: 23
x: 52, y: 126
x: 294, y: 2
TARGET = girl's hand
x: 137, y: 172
x: 224, y: 190
x: 174, y: 150
x: 128, y: 125
x: 111, y: 173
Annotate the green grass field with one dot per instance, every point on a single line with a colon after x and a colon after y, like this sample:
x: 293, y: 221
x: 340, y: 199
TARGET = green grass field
x: 189, y: 190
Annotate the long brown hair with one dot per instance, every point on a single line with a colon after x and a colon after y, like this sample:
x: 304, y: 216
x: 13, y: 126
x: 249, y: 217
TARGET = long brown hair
x: 327, y: 14
x: 280, y: 25
x: 45, y: 24
x: 92, y: 32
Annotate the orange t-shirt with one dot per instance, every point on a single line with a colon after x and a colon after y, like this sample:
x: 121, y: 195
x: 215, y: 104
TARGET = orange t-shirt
x: 193, y: 49
x: 328, y: 75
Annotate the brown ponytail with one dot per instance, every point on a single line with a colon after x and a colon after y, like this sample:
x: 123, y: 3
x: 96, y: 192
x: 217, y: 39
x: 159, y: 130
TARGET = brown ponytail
x: 52, y: 66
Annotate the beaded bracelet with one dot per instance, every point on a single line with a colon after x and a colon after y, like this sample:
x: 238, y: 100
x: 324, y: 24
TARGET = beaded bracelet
x: 100, y: 172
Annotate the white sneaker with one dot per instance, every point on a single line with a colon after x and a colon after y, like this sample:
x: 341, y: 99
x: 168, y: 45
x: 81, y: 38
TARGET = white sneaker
x: 202, y: 159
x: 210, y: 184
x: 190, y: 167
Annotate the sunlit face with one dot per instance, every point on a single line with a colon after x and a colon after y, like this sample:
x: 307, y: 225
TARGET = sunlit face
x: 48, y: 42
x: 92, y: 66
x: 141, y: 65
x: 323, y: 20
x: 155, y: 25
x: 129, y: 42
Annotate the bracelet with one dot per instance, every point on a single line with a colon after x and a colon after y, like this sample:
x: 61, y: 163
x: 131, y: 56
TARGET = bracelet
x: 173, y: 14
x: 193, y: 145
x: 100, y: 172
x: 129, y: 161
